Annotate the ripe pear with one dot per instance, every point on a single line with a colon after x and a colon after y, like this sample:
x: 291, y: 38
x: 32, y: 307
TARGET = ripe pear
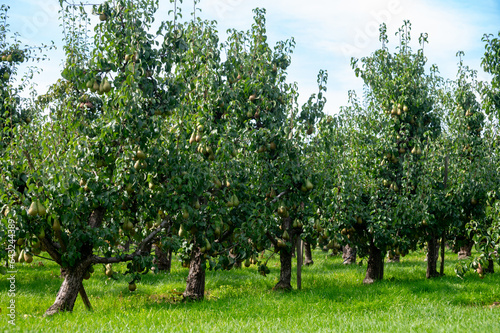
x: 106, y: 87
x: 272, y: 146
x: 252, y: 98
x: 103, y: 17
x: 109, y: 270
x: 192, y: 139
x: 286, y: 236
x: 182, y: 231
x: 33, y: 210
x: 132, y: 286
x: 56, y: 226
x: 140, y: 155
x: 41, y: 235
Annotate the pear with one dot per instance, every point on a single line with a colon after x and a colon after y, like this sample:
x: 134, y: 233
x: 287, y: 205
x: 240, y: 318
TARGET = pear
x: 236, y: 202
x: 309, y: 185
x: 109, y: 270
x: 196, y: 205
x: 247, y: 262
x: 21, y: 256
x: 217, y: 231
x: 286, y: 236
x: 192, y: 139
x: 28, y: 258
x: 106, y: 86
x: 208, y: 246
x: 217, y: 183
x: 103, y: 17
x: 252, y: 98
x: 185, y: 213
x: 140, y: 155
x: 86, y: 275
x: 182, y: 231
x: 56, y: 226
x: 132, y: 286
x: 272, y: 146
x: 33, y: 210
x: 41, y: 235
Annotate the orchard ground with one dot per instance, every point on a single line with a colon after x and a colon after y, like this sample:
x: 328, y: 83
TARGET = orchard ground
x: 332, y: 299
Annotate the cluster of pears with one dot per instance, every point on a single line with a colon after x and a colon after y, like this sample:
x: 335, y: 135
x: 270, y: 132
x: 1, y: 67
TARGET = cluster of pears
x: 233, y: 201
x: 99, y: 86
x: 140, y: 158
x: 307, y: 186
x: 15, y: 56
x: 36, y: 208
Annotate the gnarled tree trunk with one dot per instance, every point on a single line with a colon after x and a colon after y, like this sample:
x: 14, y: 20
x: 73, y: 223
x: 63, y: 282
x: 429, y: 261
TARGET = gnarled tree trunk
x: 375, y: 269
x: 195, y: 286
x: 71, y: 286
x: 349, y: 255
x: 432, y: 257
x: 307, y: 249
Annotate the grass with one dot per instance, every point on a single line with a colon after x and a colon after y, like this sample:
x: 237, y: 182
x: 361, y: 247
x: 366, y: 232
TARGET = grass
x: 332, y: 299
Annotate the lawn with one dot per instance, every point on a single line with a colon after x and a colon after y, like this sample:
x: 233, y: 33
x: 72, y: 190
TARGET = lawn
x: 332, y: 299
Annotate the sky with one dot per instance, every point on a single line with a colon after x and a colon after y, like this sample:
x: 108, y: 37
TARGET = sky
x: 327, y: 33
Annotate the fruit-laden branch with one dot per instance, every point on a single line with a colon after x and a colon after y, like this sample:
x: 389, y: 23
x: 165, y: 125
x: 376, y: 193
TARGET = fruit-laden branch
x: 141, y: 248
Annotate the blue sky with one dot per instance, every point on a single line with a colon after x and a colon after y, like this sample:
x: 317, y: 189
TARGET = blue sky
x: 327, y: 32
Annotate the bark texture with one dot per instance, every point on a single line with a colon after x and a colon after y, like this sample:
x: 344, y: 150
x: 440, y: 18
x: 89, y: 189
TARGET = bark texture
x: 375, y: 269
x: 349, y: 255
x: 432, y: 257
x: 285, y: 271
x: 163, y: 260
x: 307, y: 250
x: 66, y: 297
x: 195, y: 286
x: 286, y: 260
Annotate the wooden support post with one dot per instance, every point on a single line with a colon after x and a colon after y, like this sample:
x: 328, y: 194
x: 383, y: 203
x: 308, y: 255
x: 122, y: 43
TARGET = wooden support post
x: 299, y: 246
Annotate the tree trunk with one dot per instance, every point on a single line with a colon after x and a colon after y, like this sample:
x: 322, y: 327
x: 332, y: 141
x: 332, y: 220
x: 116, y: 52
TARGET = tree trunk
x: 465, y: 251
x: 443, y: 244
x: 286, y: 260
x: 163, y: 259
x: 285, y: 270
x: 349, y: 255
x: 195, y: 286
x: 307, y: 250
x: 66, y: 297
x: 432, y: 257
x: 375, y: 269
x: 490, y: 268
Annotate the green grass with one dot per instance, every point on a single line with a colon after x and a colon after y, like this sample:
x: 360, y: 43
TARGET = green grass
x: 333, y: 299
